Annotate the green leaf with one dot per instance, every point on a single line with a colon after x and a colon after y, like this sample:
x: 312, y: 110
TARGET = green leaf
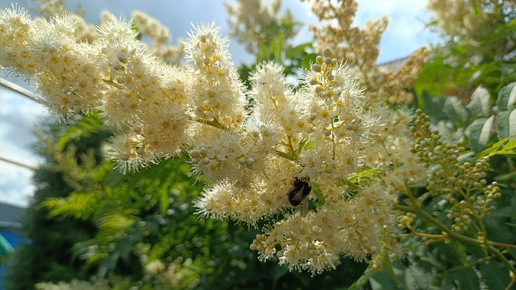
x: 511, y: 144
x: 308, y: 59
x: 456, y: 111
x: 464, y: 278
x: 124, y: 248
x: 164, y: 202
x: 502, y: 145
x: 512, y: 123
x: 77, y: 205
x: 455, y: 251
x: 382, y: 280
x: 115, y: 221
x: 115, y: 177
x: 317, y: 191
x: 507, y: 97
x: 86, y: 126
x: 495, y: 275
x: 479, y: 105
x: 416, y: 275
x: 480, y: 132
x: 502, y: 124
x: 295, y: 52
x: 506, y: 124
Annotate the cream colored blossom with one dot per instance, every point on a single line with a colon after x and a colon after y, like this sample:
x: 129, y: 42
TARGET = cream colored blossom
x: 359, y: 47
x: 348, y: 156
x: 215, y: 84
x: 160, y: 37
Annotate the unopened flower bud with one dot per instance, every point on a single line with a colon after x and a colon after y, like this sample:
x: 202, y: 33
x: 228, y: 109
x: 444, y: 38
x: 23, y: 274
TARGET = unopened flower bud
x: 250, y: 163
x: 327, y: 52
x: 195, y: 153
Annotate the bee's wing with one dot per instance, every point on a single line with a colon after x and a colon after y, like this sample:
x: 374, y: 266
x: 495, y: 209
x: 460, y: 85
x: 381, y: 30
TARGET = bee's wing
x: 304, y: 210
x: 295, y: 195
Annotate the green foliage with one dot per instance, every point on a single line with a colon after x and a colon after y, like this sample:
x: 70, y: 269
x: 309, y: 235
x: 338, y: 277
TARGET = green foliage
x: 45, y: 253
x: 84, y: 127
x: 479, y: 121
x: 458, y: 262
x: 484, y: 57
x: 294, y: 59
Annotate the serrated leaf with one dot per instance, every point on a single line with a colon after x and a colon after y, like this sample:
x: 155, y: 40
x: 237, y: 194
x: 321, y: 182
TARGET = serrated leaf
x: 479, y: 133
x: 415, y: 275
x: 464, y: 278
x: 432, y: 106
x: 456, y: 251
x: 495, y: 275
x: 479, y: 105
x: 512, y: 123
x: 383, y: 281
x: 502, y: 124
x: 507, y: 97
x: 506, y: 124
x: 496, y: 228
x: 456, y: 111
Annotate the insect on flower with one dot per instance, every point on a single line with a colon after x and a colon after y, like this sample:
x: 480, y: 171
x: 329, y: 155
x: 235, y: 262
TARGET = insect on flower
x: 299, y: 191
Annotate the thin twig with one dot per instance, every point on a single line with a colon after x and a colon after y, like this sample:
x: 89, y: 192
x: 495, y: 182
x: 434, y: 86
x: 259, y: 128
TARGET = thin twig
x: 18, y: 164
x: 24, y: 92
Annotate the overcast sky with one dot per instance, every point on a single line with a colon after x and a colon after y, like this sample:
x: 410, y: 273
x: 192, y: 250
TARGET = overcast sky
x: 18, y: 115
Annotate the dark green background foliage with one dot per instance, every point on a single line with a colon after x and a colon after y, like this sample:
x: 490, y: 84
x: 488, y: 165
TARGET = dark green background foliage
x: 45, y: 254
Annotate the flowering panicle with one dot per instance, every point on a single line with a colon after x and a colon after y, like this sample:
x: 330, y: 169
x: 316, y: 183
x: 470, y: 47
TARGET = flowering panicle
x: 147, y: 96
x: 64, y: 71
x: 315, y: 242
x: 360, y: 48
x: 299, y: 156
x: 159, y: 35
x: 218, y: 93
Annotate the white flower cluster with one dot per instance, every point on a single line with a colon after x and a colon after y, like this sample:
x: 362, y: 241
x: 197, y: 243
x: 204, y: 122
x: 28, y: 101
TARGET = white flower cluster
x: 319, y: 147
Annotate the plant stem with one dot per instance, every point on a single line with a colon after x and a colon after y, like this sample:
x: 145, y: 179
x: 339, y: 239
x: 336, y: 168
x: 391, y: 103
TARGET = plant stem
x: 450, y: 234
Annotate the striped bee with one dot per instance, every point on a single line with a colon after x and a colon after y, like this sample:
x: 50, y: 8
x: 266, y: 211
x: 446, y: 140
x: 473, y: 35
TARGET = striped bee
x: 300, y: 190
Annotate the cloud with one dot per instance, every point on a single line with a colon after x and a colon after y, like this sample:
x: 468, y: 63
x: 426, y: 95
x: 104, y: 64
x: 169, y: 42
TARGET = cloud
x: 18, y: 117
x: 406, y: 30
x: 15, y: 185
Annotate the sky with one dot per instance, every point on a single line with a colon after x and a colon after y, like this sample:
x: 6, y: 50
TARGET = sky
x: 19, y: 115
